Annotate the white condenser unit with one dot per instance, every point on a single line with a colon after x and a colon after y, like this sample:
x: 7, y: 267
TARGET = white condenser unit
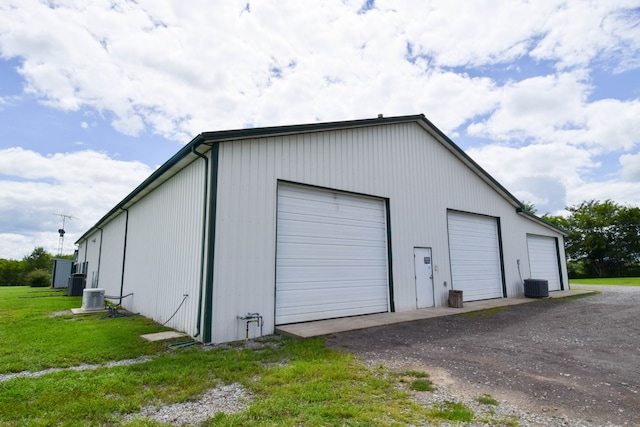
x: 93, y: 299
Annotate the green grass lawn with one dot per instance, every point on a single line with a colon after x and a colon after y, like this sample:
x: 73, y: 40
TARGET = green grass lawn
x: 35, y: 335
x: 293, y: 382
x: 617, y: 281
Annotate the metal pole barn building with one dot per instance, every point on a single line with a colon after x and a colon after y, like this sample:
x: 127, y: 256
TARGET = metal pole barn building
x: 308, y: 222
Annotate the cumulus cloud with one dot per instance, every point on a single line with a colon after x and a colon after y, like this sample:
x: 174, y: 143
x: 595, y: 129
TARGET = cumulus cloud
x: 184, y: 70
x: 553, y: 176
x: 34, y: 187
x: 544, y: 174
x: 160, y: 67
x: 536, y: 108
x: 630, y: 167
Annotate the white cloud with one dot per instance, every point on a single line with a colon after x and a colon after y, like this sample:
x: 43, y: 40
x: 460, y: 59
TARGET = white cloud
x: 627, y: 193
x: 536, y: 108
x: 631, y: 168
x: 555, y: 108
x: 161, y: 67
x: 544, y: 174
x: 33, y: 187
x: 579, y: 32
x: 611, y: 125
x: 553, y: 176
x: 184, y: 70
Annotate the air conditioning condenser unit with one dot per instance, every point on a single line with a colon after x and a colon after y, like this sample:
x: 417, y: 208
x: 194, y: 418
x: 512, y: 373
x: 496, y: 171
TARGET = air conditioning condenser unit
x: 92, y: 299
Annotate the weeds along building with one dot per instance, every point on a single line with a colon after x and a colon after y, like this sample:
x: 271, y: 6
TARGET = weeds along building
x: 308, y: 222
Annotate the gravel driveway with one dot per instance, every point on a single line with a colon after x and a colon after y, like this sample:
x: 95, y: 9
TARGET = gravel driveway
x: 573, y: 358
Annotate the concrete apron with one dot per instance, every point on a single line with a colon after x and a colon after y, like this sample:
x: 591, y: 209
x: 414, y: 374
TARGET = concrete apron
x: 343, y: 324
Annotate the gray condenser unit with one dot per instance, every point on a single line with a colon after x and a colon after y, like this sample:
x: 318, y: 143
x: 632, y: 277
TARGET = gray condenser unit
x: 536, y: 288
x: 77, y: 283
x: 93, y: 299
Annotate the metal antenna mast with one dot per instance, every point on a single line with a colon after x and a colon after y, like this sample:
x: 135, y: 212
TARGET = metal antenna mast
x: 61, y: 232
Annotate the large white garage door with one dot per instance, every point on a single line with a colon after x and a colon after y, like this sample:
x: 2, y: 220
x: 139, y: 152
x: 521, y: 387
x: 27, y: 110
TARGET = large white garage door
x: 331, y: 255
x: 543, y: 260
x: 475, y: 256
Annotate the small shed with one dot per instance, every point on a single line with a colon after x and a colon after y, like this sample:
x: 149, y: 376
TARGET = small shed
x: 61, y: 272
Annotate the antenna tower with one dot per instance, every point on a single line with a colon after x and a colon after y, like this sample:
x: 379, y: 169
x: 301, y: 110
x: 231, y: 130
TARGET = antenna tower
x: 61, y: 232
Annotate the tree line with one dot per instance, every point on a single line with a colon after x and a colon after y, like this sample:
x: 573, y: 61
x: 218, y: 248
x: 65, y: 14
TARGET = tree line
x: 603, y: 239
x: 33, y: 270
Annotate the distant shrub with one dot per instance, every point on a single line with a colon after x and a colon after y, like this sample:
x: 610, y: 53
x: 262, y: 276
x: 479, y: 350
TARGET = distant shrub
x: 38, y: 278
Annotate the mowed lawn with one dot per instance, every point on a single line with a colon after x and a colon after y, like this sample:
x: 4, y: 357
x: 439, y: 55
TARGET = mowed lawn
x: 615, y: 281
x: 288, y: 382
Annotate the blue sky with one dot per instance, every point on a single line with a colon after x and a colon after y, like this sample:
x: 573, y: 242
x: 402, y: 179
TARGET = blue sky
x: 94, y: 95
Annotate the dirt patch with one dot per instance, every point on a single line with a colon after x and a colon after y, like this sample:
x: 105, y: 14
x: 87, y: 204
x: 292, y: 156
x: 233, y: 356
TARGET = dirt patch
x: 227, y: 399
x: 571, y: 358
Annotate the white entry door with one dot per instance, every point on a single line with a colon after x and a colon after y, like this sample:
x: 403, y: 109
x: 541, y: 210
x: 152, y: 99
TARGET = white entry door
x: 424, y: 277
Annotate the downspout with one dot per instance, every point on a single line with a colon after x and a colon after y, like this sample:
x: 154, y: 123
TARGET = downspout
x: 124, y: 253
x: 392, y: 305
x: 211, y: 241
x: 204, y: 235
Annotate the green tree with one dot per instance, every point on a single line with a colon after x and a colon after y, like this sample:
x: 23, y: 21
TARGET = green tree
x: 10, y: 272
x: 39, y: 259
x: 628, y: 236
x: 529, y: 207
x: 603, y: 237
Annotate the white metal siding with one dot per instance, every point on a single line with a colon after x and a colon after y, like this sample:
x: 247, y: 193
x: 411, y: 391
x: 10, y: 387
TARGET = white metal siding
x: 331, y: 255
x: 475, y: 256
x: 164, y: 243
x: 543, y: 260
x: 402, y: 163
x: 92, y: 252
x: 82, y: 251
x: 112, y: 252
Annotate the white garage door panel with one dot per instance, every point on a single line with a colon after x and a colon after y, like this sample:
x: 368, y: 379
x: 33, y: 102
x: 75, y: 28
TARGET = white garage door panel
x: 319, y: 250
x: 329, y: 273
x: 331, y: 255
x: 543, y: 260
x: 475, y: 256
x: 350, y: 293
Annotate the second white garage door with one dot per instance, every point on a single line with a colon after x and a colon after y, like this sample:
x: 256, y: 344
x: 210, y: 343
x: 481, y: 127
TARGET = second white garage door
x: 331, y: 256
x: 543, y: 260
x: 475, y: 256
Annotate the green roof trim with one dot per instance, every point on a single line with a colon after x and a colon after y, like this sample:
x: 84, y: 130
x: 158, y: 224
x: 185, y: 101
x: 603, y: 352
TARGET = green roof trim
x: 522, y: 211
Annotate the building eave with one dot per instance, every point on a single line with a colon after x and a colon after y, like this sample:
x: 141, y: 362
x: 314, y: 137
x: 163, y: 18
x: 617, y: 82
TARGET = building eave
x: 153, y: 181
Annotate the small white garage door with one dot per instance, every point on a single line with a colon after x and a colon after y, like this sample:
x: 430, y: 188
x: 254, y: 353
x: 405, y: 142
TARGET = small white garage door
x: 543, y: 260
x: 475, y: 256
x: 331, y: 255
